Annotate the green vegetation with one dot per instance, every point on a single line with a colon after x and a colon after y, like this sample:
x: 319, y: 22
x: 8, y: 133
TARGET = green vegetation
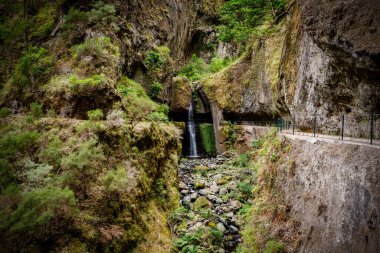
x: 243, y: 18
x: 194, y: 69
x: 22, y: 22
x: 155, y: 90
x: 39, y: 208
x: 208, y: 138
x: 189, y: 242
x: 116, y: 180
x: 159, y: 63
x: 98, y: 48
x: 197, y: 68
x: 36, y: 110
x: 95, y: 115
x: 273, y: 247
x: 33, y: 67
x: 84, y: 156
x: 77, y: 84
x: 101, y: 16
x: 139, y: 106
x: 231, y: 132
x: 242, y: 161
x: 5, y: 112
x: 267, y: 201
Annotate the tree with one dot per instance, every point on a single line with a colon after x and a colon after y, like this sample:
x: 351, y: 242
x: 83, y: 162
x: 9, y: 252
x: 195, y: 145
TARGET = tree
x: 239, y: 18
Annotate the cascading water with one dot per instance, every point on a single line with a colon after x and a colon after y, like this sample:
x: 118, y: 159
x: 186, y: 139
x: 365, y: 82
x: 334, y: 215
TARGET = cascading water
x: 192, y: 131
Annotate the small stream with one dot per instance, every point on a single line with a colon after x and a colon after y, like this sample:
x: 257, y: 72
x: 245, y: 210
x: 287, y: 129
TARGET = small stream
x: 207, y: 188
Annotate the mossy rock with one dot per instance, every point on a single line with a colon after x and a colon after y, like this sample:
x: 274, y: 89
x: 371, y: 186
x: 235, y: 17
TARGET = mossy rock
x: 273, y: 247
x: 224, y: 180
x: 208, y: 138
x: 202, y: 203
x: 211, y: 224
x: 201, y: 168
x: 199, y: 185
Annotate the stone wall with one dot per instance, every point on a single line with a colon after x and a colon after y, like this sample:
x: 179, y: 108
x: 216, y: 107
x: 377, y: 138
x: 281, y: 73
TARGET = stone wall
x: 333, y: 190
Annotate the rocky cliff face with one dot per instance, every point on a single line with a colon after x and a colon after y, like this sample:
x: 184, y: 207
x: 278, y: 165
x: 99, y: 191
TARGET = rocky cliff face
x: 330, y: 62
x: 324, y: 61
x: 333, y: 190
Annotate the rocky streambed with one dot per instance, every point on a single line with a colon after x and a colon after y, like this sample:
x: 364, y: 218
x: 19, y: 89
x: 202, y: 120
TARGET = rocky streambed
x: 214, y: 192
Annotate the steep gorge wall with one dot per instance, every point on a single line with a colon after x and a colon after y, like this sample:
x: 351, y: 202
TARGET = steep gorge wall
x: 330, y: 62
x: 333, y: 190
x: 323, y: 61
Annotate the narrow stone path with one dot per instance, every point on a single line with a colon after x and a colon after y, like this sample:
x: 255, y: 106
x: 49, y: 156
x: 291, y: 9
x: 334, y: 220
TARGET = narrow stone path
x: 211, y: 197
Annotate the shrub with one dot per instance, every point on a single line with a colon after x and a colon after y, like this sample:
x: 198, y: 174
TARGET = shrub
x: 85, y: 155
x: 34, y: 65
x: 158, y: 117
x: 216, y: 236
x: 208, y: 138
x: 116, y: 118
x: 242, y: 161
x: 7, y: 174
x: 52, y: 153
x: 138, y: 108
x: 127, y: 86
x: 189, y: 239
x: 217, y: 64
x: 95, y: 115
x: 155, y: 90
x: 273, y: 247
x: 44, y: 21
x: 39, y: 207
x: 95, y: 47
x: 37, y: 175
x: 73, y: 19
x: 239, y: 18
x: 245, y: 189
x: 36, y: 110
x: 153, y: 60
x: 163, y: 108
x: 116, y: 180
x: 5, y: 112
x: 194, y: 69
x: 102, y: 13
x: 13, y: 143
x: 77, y: 84
x: 231, y: 133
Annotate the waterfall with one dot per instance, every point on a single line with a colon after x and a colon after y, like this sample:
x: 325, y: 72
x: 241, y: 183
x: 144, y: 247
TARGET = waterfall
x: 192, y: 131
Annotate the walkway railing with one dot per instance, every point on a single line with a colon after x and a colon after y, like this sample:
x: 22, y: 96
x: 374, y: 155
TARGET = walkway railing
x: 357, y: 128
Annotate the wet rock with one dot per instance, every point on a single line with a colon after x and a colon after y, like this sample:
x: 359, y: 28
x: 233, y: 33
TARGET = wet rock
x: 183, y: 192
x: 233, y: 229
